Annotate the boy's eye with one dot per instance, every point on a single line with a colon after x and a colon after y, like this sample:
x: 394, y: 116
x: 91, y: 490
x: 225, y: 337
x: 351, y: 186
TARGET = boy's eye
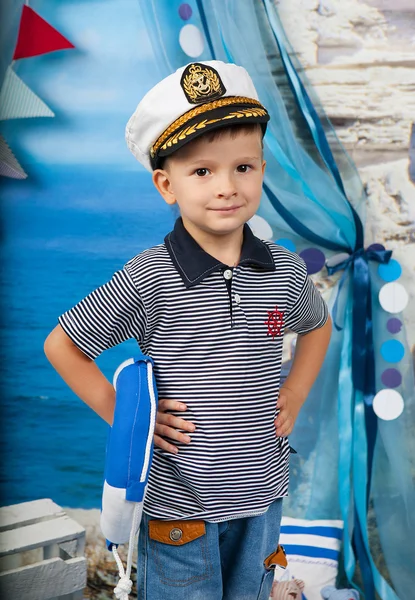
x: 243, y: 168
x: 201, y: 172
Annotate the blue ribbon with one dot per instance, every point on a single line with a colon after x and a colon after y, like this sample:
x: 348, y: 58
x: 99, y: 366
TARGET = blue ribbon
x: 345, y: 420
x: 363, y: 364
x: 365, y: 422
x: 363, y: 355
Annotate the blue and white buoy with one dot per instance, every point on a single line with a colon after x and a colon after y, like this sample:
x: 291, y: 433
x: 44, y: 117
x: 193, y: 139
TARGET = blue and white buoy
x: 128, y: 459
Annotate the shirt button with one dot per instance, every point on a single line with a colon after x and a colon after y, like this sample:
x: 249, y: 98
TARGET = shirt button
x: 227, y: 274
x: 176, y: 534
x: 237, y: 299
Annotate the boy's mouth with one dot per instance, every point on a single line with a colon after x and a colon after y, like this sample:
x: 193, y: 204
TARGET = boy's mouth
x: 227, y: 208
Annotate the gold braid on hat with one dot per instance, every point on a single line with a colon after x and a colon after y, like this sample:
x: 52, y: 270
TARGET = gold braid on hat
x: 194, y: 112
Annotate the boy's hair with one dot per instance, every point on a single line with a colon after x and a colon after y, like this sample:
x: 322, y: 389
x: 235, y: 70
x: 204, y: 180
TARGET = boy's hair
x: 233, y: 131
x: 214, y: 134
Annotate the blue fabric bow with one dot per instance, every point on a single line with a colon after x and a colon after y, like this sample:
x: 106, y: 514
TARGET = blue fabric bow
x: 363, y: 362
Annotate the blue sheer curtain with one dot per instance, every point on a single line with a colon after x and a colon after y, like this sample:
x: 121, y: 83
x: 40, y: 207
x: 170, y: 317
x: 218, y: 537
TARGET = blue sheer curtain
x: 350, y: 464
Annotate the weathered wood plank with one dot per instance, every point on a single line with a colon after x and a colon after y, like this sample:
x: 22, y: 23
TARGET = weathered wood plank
x: 21, y: 559
x: 43, y: 581
x: 75, y: 596
x: 27, y: 513
x: 44, y: 533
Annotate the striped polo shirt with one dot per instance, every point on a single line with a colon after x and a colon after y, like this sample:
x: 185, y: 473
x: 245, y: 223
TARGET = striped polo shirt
x: 215, y: 334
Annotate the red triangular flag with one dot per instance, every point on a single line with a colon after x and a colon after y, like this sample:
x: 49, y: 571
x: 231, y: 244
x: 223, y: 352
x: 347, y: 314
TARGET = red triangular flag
x: 36, y: 36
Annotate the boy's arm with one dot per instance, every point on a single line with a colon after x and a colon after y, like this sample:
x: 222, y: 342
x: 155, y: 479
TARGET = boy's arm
x: 80, y: 373
x: 308, y: 358
x: 88, y: 382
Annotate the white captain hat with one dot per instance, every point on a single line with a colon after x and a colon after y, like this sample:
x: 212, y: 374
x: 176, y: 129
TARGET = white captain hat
x: 196, y: 98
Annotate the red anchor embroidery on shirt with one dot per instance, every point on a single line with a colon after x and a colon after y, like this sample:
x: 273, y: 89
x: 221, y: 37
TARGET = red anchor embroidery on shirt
x: 275, y: 322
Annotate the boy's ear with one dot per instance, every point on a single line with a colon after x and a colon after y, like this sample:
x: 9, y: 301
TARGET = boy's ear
x: 163, y: 185
x: 264, y: 163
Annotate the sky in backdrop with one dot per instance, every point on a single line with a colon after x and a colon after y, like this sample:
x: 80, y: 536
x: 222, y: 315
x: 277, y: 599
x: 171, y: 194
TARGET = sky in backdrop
x: 92, y: 90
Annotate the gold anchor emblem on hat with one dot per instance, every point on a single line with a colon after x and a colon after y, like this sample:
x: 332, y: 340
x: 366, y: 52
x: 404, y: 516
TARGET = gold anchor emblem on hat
x: 201, y: 83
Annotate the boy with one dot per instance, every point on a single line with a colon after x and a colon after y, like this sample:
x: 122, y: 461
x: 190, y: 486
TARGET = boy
x: 209, y: 306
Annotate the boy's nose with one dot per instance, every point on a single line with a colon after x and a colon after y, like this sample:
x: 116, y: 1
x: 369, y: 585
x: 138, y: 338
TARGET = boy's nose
x: 226, y: 188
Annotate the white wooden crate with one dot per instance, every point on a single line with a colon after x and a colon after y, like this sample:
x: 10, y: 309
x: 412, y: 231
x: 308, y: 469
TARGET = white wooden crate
x: 41, y: 553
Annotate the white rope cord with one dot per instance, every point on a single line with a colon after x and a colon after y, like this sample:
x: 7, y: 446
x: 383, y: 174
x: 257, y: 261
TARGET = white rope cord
x: 125, y: 584
x: 153, y: 413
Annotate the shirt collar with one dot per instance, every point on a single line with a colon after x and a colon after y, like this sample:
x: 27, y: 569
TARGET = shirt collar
x: 194, y: 264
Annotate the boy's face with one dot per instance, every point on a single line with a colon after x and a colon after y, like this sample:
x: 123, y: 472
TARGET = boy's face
x: 217, y: 184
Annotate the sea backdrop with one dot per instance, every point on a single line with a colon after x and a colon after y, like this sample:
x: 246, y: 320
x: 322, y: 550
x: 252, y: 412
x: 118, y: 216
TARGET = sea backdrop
x: 59, y: 243
x: 85, y: 208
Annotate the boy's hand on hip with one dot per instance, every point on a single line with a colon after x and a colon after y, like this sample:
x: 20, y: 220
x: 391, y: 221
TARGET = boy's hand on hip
x: 289, y: 405
x: 167, y: 426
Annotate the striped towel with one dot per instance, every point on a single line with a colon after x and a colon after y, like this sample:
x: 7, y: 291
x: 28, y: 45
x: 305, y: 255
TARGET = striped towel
x: 312, y: 549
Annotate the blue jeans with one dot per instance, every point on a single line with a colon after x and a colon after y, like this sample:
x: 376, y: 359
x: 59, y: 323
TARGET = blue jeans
x: 199, y: 560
